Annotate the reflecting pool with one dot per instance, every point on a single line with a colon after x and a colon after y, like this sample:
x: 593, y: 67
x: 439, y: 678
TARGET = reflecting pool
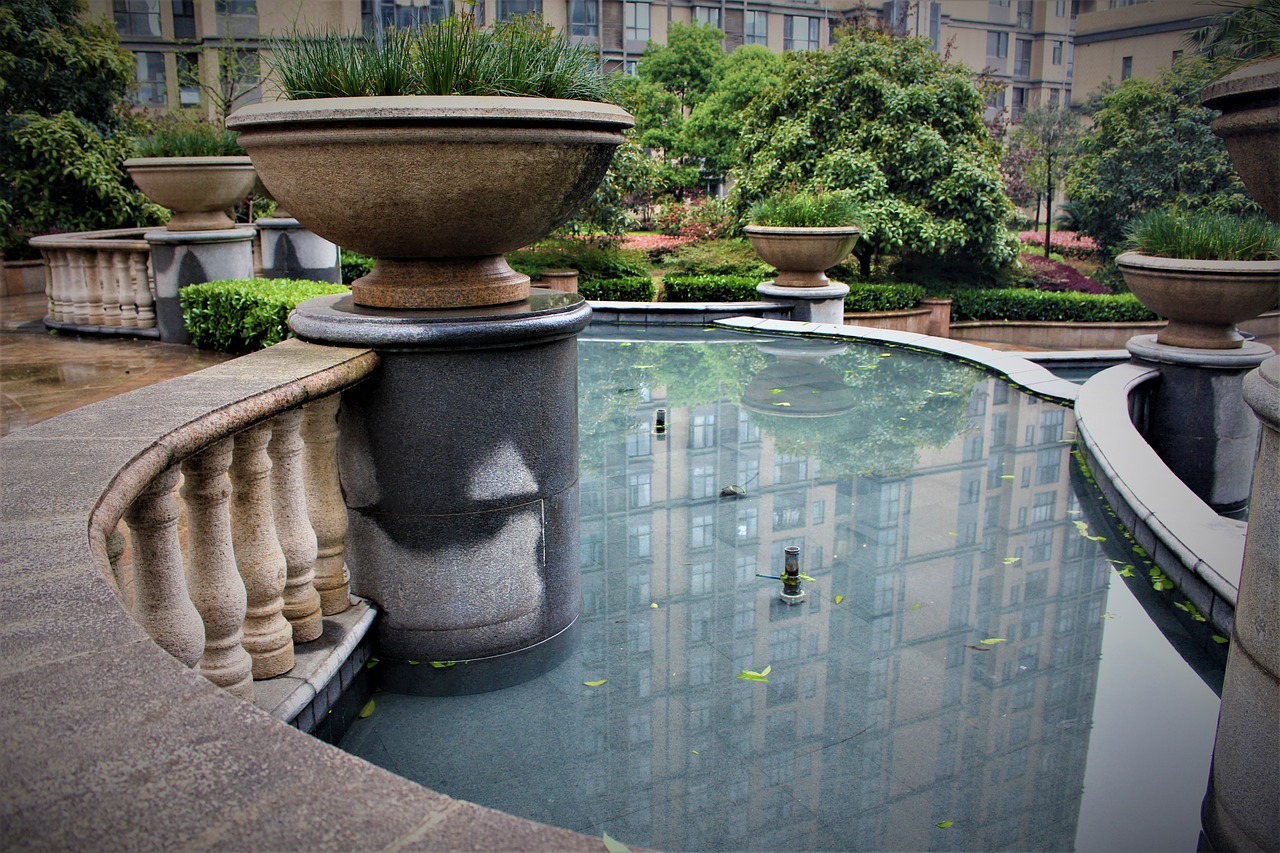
x: 980, y: 661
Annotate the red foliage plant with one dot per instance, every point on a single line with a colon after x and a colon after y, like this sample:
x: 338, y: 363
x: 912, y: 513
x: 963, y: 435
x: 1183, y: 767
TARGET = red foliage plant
x: 1056, y: 276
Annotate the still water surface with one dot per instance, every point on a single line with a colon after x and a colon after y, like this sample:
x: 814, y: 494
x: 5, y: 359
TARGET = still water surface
x: 967, y: 653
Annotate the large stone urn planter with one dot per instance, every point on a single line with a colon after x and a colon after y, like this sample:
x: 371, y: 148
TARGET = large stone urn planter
x: 199, y: 190
x: 1249, y: 98
x: 802, y: 256
x: 1202, y: 300
x: 437, y: 188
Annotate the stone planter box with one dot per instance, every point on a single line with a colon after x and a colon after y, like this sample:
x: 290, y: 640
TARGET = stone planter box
x: 22, y: 277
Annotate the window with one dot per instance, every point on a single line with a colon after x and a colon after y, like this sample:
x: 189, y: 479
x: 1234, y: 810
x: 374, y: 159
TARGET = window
x: 1051, y: 424
x: 137, y: 17
x: 970, y: 491
x: 1022, y: 59
x: 188, y: 79
x: 702, y: 428
x: 757, y: 27
x: 800, y: 32
x: 991, y: 513
x: 702, y: 529
x: 1126, y: 68
x: 1041, y: 550
x: 639, y: 442
x: 637, y: 22
x: 1057, y: 53
x: 1042, y: 507
x: 150, y: 78
x: 1055, y: 98
x: 748, y: 522
x: 582, y: 18
x: 639, y: 545
x: 237, y: 18
x: 638, y: 489
x: 1060, y: 8
x: 1000, y: 3
x: 788, y: 511
x: 1177, y: 54
x: 702, y: 481
x: 1024, y: 14
x: 818, y: 512
x: 707, y: 16
x: 997, y: 44
x: 184, y: 19
x: 1019, y: 102
x: 508, y: 9
x: 1048, y: 466
x: 790, y: 469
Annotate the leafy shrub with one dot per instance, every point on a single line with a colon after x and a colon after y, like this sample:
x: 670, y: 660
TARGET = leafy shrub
x: 700, y: 219
x: 355, y: 265
x: 1048, y: 274
x: 238, y: 315
x: 710, y: 288
x: 592, y: 261
x: 883, y: 297
x: 1046, y: 306
x: 638, y: 288
x: 1204, y: 235
x: 1067, y: 243
x: 733, y: 256
x: 805, y: 210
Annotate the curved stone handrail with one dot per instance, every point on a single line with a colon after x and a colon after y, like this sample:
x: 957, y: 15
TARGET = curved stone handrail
x: 100, y: 281
x: 109, y: 742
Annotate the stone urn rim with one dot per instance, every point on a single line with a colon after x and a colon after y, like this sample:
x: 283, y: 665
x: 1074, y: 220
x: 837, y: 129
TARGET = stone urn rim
x: 449, y: 109
x: 198, y: 190
x: 1141, y: 260
x: 229, y: 161
x: 803, y: 231
x: 437, y: 188
x: 1245, y: 83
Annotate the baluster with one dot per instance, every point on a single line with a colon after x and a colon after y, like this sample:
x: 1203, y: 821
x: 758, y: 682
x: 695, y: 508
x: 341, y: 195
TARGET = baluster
x: 216, y: 587
x: 93, y: 288
x: 143, y: 290
x: 109, y: 287
x: 267, y: 635
x: 78, y: 288
x: 120, y: 265
x: 324, y: 503
x: 161, y: 603
x: 297, y: 539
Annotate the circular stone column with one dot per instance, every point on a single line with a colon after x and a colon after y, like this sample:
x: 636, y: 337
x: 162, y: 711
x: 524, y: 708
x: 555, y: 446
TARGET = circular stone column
x: 459, y: 467
x: 1197, y: 419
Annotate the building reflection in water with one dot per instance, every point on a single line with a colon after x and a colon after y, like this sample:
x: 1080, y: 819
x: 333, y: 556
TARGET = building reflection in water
x: 936, y: 500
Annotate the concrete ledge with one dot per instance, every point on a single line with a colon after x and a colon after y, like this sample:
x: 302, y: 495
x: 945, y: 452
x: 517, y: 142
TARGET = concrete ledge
x: 1202, y: 551
x: 682, y: 313
x: 106, y: 741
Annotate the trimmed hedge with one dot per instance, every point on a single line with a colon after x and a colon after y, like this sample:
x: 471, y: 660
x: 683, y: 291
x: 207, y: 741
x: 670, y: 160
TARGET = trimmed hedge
x: 593, y: 263
x: 1048, y: 306
x: 354, y: 265
x: 710, y: 288
x: 868, y: 298
x: 636, y: 288
x: 239, y: 315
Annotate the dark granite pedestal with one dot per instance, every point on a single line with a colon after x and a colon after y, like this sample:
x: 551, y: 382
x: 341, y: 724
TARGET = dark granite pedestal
x: 459, y: 466
x: 291, y: 251
x: 180, y: 258
x: 1197, y: 419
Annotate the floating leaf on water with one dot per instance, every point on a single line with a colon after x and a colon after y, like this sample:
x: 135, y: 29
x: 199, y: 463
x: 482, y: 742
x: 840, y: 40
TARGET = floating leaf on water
x: 944, y: 824
x: 1141, y: 552
x: 371, y: 664
x: 443, y: 664
x: 613, y: 845
x: 762, y: 675
x: 695, y: 752
x: 915, y: 606
x: 991, y: 641
x: 595, y: 683
x: 1220, y: 640
x: 952, y: 533
x: 643, y: 366
x: 782, y: 403
x: 775, y: 390
x: 1009, y: 561
x: 839, y: 598
x: 412, y: 663
x: 805, y: 577
x: 366, y: 710
x: 625, y: 344
x: 1007, y: 477
x: 885, y: 354
x: 654, y: 605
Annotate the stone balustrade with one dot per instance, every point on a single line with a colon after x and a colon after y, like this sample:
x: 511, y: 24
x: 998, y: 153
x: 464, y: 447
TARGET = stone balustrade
x: 101, y: 280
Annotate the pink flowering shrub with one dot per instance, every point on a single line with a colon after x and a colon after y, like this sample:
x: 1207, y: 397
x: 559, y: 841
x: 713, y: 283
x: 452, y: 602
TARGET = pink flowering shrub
x: 700, y: 219
x: 1056, y: 276
x: 1067, y: 243
x: 655, y: 243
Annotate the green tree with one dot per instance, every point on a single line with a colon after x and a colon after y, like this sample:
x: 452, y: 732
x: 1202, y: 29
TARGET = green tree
x: 686, y: 65
x: 63, y: 130
x: 1049, y: 136
x: 1244, y: 32
x: 888, y: 120
x: 712, y: 130
x: 1150, y: 147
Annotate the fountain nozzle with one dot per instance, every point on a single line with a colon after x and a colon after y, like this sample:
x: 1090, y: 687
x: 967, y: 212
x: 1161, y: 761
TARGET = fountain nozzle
x: 791, y: 591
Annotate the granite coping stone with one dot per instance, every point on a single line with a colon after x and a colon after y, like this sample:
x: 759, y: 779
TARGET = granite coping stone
x: 106, y: 740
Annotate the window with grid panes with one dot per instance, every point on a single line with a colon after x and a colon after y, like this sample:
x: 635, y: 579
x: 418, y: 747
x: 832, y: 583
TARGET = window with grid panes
x: 136, y: 17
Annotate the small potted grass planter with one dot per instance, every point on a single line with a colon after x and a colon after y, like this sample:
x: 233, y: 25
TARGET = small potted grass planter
x: 1204, y: 273
x: 435, y: 150
x: 195, y: 169
x: 803, y: 234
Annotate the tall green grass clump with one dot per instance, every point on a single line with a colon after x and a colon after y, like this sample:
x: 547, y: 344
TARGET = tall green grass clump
x: 805, y: 210
x: 521, y: 57
x: 187, y: 136
x: 1205, y: 236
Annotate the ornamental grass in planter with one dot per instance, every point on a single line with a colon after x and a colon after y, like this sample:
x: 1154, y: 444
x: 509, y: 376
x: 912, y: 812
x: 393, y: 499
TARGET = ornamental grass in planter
x: 194, y: 168
x: 1204, y: 272
x: 803, y: 234
x: 435, y: 150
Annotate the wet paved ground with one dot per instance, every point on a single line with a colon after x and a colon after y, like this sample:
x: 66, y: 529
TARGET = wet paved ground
x: 43, y: 374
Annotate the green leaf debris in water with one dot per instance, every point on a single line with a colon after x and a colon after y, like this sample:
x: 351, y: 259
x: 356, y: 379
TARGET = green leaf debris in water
x: 1220, y: 640
x: 839, y: 598
x: 775, y: 390
x: 782, y: 403
x: 371, y: 664
x: 945, y: 824
x: 762, y: 675
x: 991, y: 641
x: 1009, y: 561
x: 915, y: 606
x: 595, y: 683
x: 413, y: 662
x: 613, y: 845
x: 441, y: 664
x: 1007, y: 477
x: 366, y: 710
x: 1083, y: 529
x: 805, y: 577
